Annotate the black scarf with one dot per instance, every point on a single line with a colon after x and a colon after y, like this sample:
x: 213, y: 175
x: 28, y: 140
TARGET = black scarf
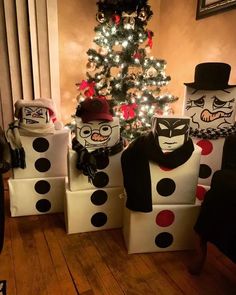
x: 136, y: 173
x: 88, y: 162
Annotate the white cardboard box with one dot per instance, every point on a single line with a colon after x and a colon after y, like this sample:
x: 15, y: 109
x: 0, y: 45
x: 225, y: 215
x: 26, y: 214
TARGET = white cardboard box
x: 92, y: 210
x: 176, y: 186
x: 166, y: 228
x: 211, y: 158
x: 45, y: 156
x: 79, y: 181
x: 36, y: 195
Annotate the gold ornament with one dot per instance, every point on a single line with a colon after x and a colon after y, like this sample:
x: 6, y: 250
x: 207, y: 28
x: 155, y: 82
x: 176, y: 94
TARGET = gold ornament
x: 142, y: 15
x: 91, y: 66
x: 129, y: 20
x: 133, y: 76
x: 100, y: 17
x: 151, y: 72
x: 103, y: 51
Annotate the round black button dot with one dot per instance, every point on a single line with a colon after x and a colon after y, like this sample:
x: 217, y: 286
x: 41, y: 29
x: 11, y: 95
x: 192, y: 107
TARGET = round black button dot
x: 101, y: 179
x: 102, y: 161
x: 99, y: 197
x: 99, y: 219
x: 42, y: 187
x: 40, y: 144
x: 43, y: 205
x: 165, y: 187
x: 205, y: 171
x: 42, y: 165
x: 164, y: 240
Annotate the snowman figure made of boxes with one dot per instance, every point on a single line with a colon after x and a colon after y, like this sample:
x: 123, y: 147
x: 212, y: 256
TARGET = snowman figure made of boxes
x: 95, y: 183
x: 38, y: 146
x: 160, y: 173
x: 210, y: 103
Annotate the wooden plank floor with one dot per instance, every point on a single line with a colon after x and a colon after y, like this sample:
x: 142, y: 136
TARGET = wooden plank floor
x: 39, y: 258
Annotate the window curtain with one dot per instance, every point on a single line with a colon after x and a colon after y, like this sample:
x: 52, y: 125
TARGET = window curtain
x: 29, y: 55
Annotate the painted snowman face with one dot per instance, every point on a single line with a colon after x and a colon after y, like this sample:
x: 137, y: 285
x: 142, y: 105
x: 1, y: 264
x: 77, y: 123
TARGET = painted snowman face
x: 98, y: 134
x: 170, y: 132
x: 35, y: 116
x: 210, y: 108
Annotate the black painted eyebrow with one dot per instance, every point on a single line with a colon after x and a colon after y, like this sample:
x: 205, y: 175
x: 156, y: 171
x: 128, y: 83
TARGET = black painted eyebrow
x: 165, y: 121
x: 29, y: 108
x: 179, y: 121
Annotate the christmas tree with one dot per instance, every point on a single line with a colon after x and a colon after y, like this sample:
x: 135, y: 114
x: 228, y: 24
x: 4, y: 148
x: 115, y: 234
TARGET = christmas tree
x: 121, y: 69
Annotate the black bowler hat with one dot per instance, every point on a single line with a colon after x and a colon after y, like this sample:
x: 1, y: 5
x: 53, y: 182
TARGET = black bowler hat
x: 211, y: 76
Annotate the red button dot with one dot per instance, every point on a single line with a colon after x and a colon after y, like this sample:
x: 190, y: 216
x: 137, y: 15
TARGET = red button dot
x: 200, y: 192
x: 206, y: 146
x: 165, y: 218
x: 165, y: 168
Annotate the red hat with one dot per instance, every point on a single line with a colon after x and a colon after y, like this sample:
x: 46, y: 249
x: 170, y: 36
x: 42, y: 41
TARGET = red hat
x: 94, y: 109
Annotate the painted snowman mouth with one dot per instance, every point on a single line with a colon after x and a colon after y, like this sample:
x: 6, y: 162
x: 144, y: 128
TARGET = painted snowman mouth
x: 96, y: 137
x: 170, y: 143
x: 207, y: 116
x: 98, y: 143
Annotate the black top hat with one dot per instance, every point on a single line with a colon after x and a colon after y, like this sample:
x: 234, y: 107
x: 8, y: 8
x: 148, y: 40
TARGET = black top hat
x: 211, y: 76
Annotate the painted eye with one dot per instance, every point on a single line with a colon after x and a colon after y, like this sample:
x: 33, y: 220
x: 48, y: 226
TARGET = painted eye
x: 39, y: 111
x: 163, y: 127
x: 217, y: 103
x: 199, y: 102
x: 180, y: 127
x: 85, y: 131
x: 28, y: 112
x: 105, y: 130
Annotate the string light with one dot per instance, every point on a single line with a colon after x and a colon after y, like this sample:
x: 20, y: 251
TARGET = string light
x: 147, y: 80
x: 117, y: 58
x: 113, y: 30
x: 125, y: 43
x: 150, y: 111
x: 141, y: 114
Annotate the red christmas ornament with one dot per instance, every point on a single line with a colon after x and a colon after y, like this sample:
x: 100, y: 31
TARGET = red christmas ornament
x: 137, y: 55
x: 90, y: 91
x: 150, y: 42
x: 116, y: 19
x: 128, y: 110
